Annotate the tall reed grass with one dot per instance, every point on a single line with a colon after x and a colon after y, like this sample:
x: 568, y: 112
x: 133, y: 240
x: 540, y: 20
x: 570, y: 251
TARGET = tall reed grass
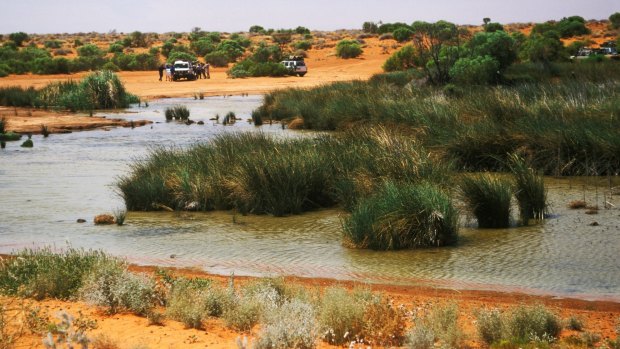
x: 488, y: 197
x: 255, y: 173
x: 403, y: 216
x: 529, y: 190
x: 572, y: 127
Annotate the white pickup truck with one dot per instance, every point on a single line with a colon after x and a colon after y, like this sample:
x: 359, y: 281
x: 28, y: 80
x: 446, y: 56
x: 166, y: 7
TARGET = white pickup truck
x: 183, y: 70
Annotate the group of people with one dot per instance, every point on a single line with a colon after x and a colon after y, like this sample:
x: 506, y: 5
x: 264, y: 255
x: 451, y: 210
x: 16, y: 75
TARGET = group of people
x: 200, y: 69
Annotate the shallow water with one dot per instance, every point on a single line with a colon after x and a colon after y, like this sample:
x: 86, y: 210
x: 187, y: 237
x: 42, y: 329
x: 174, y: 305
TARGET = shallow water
x: 44, y: 190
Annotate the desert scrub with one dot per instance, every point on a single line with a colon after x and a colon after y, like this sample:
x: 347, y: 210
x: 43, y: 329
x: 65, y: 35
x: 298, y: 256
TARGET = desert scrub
x: 522, y: 324
x: 341, y: 316
x: 401, y: 216
x: 290, y: 325
x: 438, y: 323
x: 530, y: 190
x: 177, y: 112
x: 114, y: 287
x: 488, y: 197
x: 191, y: 301
x: 44, y: 273
x: 384, y: 322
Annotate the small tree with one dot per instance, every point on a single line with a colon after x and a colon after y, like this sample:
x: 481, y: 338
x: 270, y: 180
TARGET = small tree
x: 437, y: 48
x: 348, y: 49
x: 256, y: 29
x: 370, y: 27
x: 614, y: 20
x: 403, y: 59
x: 19, y: 38
x: 477, y: 70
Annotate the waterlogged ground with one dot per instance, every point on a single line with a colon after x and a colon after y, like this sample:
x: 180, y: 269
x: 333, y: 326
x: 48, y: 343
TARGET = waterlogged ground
x: 44, y: 190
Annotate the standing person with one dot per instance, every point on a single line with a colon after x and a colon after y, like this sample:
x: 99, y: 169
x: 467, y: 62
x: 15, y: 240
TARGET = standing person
x: 171, y: 72
x: 161, y: 71
x: 206, y: 71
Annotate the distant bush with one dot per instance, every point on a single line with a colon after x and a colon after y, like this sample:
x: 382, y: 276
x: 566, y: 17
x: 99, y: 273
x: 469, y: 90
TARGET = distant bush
x: 302, y: 30
x: 348, y: 49
x: 370, y: 27
x: 52, y: 44
x: 217, y: 59
x: 249, y: 68
x: 303, y: 45
x: 178, y: 55
x: 614, y: 20
x: 19, y: 38
x: 402, y: 34
x: 116, y: 48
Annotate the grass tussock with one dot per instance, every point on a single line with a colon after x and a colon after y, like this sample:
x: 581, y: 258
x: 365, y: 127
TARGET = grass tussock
x: 530, y: 190
x: 177, y: 112
x: 488, y: 197
x: 403, y: 216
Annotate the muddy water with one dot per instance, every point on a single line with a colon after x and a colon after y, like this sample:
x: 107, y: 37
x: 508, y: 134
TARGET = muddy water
x: 44, y: 190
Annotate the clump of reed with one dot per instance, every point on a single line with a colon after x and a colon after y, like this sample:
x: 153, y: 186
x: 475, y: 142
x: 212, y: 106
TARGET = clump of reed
x: 529, y: 190
x: 256, y: 173
x: 45, y: 131
x: 488, y: 197
x: 403, y: 216
x: 177, y: 112
x: 229, y: 118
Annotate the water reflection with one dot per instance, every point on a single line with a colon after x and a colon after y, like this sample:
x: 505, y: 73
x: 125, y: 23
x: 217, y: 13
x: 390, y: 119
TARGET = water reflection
x: 66, y: 177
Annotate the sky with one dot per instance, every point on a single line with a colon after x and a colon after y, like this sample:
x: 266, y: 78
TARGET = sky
x: 73, y: 16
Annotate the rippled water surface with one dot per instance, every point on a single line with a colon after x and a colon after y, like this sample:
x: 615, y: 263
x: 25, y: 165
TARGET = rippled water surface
x: 44, y: 190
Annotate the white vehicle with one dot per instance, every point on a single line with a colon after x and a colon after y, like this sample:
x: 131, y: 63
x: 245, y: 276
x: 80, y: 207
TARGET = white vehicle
x: 296, y: 66
x: 183, y: 70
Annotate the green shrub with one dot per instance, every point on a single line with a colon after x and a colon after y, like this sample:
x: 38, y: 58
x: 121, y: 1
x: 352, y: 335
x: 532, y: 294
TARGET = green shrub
x: 421, y: 337
x: 480, y: 70
x: 303, y: 45
x: 52, y: 44
x: 348, y: 49
x: 574, y: 323
x: 217, y: 59
x: 488, y: 198
x: 403, y: 216
x: 180, y: 56
x: 403, y: 59
x: 402, y: 34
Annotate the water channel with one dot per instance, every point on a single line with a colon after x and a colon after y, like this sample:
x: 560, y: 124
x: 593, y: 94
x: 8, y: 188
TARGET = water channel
x: 44, y: 190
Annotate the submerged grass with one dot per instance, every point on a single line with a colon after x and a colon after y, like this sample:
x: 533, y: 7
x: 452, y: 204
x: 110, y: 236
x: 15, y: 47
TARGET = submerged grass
x: 177, y: 112
x: 488, y: 198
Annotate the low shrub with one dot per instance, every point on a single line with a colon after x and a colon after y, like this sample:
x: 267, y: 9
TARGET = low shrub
x: 191, y: 301
x: 574, y: 323
x: 443, y: 321
x: 341, y: 316
x: 348, y: 49
x: 488, y: 198
x: 112, y: 286
x: 291, y: 325
x: 43, y: 273
x: 523, y: 323
x: 384, y: 323
x: 402, y: 216
x: 489, y: 324
x: 421, y: 337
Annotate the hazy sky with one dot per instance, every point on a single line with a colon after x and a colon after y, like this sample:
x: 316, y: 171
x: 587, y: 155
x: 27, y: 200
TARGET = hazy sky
x: 71, y: 16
